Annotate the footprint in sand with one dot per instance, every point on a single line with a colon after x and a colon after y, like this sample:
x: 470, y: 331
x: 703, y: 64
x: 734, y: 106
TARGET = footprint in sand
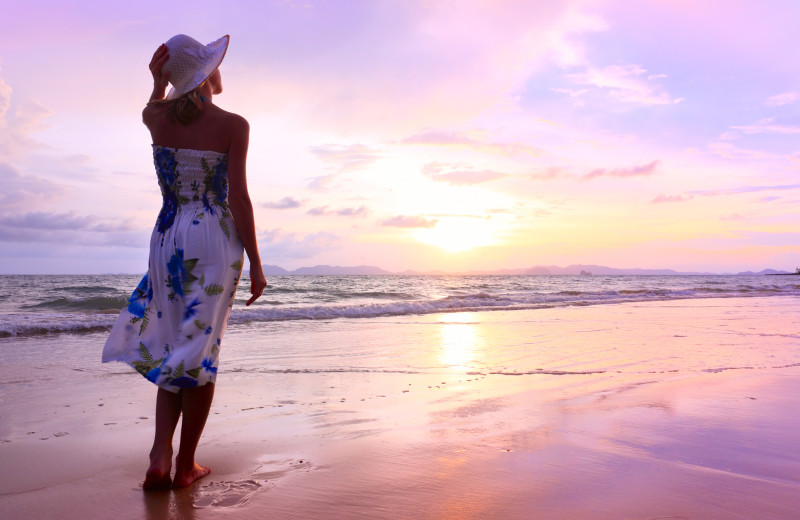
x: 237, y: 492
x: 225, y: 494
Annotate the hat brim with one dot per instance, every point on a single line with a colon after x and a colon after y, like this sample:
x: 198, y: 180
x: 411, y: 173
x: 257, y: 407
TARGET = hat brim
x: 217, y: 50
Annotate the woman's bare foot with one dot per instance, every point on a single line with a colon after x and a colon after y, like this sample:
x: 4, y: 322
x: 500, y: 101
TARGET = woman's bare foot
x: 157, y: 476
x: 187, y: 478
x: 156, y: 481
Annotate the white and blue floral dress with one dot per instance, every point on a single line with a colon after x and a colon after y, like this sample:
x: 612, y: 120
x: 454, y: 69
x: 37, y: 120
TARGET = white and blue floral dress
x: 172, y: 327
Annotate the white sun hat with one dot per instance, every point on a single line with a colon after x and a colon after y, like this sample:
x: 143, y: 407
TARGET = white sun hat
x: 190, y: 62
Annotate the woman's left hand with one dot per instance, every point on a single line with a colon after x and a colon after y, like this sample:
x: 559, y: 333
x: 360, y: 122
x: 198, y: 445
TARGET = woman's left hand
x: 257, y: 283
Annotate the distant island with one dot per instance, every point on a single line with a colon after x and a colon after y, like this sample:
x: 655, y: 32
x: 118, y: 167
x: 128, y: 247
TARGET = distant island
x: 572, y: 270
x: 795, y: 273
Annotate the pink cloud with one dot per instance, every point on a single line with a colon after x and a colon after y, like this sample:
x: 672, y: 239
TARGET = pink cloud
x: 552, y: 172
x: 360, y: 211
x: 284, y: 246
x: 768, y: 126
x: 787, y: 98
x: 404, y: 221
x: 25, y: 191
x: 669, y: 198
x: 346, y: 158
x: 626, y: 83
x: 445, y: 138
x: 636, y: 171
x: 284, y: 203
x: 459, y: 176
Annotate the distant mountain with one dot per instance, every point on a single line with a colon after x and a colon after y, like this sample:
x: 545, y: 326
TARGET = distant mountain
x: 273, y: 270
x: 571, y: 270
x: 327, y: 270
x: 763, y: 272
x: 603, y: 270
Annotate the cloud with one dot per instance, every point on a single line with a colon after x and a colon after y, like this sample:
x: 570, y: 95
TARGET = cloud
x: 446, y: 138
x: 636, y: 171
x: 746, y: 189
x: 459, y: 176
x: 575, y: 94
x: 5, y: 98
x: 68, y: 228
x: 669, y: 198
x: 50, y: 221
x: 767, y: 126
x: 15, y: 129
x: 553, y: 172
x: 346, y: 158
x: 278, y: 245
x: 25, y: 191
x: 440, y: 138
x: 284, y: 203
x: 787, y: 98
x: 729, y: 151
x: 403, y: 221
x: 626, y: 83
x: 360, y: 211
x: 402, y: 65
x: 40, y: 226
x: 733, y: 217
x: 459, y: 215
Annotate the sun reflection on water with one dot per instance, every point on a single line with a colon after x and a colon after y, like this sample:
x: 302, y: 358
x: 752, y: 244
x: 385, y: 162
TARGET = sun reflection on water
x: 460, y: 341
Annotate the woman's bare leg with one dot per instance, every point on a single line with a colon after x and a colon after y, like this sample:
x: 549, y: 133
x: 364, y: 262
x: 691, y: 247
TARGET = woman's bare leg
x: 195, y: 405
x: 168, y: 410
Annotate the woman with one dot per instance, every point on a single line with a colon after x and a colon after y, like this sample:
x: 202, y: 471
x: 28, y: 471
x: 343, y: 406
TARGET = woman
x: 172, y: 327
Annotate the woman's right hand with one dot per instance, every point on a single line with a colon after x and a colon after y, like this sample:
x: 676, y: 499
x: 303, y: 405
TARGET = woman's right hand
x: 160, y: 78
x: 257, y: 283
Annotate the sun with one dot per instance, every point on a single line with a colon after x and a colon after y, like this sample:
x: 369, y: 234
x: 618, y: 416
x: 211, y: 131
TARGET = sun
x: 458, y: 234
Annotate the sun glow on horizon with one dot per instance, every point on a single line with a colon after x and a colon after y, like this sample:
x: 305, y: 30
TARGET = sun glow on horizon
x: 459, y: 234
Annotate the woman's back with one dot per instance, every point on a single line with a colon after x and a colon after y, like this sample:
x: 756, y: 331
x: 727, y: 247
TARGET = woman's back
x: 213, y: 130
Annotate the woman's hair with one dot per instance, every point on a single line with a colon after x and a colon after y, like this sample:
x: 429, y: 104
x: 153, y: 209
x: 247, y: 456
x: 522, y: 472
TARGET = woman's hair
x: 185, y: 109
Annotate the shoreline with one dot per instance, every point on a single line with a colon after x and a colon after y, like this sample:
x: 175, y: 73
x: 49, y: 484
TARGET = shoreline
x: 407, y: 435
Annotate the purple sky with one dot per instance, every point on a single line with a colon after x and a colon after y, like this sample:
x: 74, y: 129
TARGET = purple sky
x: 421, y: 135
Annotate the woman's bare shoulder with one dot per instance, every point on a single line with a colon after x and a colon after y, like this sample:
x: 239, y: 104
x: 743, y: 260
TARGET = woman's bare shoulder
x: 152, y: 110
x: 233, y: 121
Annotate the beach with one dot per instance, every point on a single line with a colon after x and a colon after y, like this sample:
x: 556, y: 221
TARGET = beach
x: 641, y: 410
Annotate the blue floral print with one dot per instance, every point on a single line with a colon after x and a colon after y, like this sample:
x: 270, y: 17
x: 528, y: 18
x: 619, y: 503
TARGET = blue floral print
x: 166, y: 168
x: 181, y: 306
x: 208, y: 364
x: 140, y: 297
x: 184, y: 382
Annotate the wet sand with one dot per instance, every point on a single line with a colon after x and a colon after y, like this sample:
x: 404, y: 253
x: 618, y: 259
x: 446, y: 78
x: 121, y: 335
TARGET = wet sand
x: 682, y: 409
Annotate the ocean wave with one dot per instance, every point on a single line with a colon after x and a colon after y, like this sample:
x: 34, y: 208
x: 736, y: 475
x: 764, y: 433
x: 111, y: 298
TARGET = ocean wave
x: 483, y: 301
x: 41, y: 323
x: 94, y: 303
x: 94, y: 313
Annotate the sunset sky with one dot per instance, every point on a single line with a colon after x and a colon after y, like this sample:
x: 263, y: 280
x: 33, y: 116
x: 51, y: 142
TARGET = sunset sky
x: 426, y: 135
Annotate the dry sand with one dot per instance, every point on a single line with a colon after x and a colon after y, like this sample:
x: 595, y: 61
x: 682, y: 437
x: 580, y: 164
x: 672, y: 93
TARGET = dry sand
x: 667, y: 410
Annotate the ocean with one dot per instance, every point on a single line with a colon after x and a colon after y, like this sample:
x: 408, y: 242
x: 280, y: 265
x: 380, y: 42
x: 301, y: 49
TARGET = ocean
x: 76, y: 304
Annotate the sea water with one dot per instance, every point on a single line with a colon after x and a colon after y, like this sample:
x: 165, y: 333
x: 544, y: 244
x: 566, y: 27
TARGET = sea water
x: 75, y: 304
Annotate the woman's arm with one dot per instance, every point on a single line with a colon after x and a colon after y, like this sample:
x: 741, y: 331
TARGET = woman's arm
x: 160, y: 79
x: 240, y: 204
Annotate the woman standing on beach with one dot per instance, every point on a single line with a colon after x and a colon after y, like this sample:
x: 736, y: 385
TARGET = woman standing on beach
x: 172, y: 327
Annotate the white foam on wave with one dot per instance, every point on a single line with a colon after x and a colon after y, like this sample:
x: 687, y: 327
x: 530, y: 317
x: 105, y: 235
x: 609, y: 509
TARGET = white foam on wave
x: 480, y: 301
x: 41, y: 323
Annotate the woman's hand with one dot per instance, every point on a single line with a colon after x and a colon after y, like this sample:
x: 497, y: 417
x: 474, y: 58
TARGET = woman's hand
x: 257, y: 283
x: 160, y: 78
